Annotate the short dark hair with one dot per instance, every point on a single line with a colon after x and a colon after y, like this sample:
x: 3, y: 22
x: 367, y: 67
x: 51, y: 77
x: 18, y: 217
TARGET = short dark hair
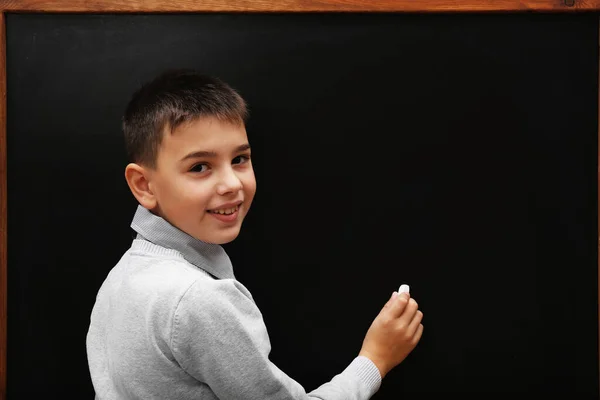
x: 170, y: 99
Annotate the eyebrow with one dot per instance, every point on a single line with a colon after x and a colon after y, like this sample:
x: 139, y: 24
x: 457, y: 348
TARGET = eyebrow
x: 209, y: 154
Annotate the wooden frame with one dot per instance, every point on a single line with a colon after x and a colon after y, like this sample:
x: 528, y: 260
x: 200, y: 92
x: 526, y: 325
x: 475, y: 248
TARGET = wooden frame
x: 237, y: 6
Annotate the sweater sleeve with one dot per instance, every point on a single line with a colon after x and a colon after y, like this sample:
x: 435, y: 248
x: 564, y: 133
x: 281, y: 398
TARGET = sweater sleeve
x: 219, y: 337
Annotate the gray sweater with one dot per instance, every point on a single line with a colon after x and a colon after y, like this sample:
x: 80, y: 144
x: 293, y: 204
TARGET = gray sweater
x: 171, y: 322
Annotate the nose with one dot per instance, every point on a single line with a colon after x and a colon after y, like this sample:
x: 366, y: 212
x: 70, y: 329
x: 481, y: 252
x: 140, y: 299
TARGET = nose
x: 229, y: 182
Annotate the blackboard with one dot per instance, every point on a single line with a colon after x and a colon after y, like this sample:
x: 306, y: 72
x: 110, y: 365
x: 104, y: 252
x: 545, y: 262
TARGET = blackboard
x: 456, y: 153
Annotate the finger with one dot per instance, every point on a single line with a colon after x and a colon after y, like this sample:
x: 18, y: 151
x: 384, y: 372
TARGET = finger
x: 409, y: 312
x: 418, y: 335
x: 387, y: 305
x: 414, y: 324
x: 398, y: 304
x: 391, y: 299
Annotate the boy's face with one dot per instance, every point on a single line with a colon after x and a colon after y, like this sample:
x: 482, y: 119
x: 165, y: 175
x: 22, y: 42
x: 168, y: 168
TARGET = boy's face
x: 203, y: 182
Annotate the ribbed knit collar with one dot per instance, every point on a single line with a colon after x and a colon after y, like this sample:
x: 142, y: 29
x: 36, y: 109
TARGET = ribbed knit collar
x: 212, y: 258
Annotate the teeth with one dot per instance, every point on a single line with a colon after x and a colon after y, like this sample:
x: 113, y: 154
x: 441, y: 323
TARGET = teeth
x: 226, y: 211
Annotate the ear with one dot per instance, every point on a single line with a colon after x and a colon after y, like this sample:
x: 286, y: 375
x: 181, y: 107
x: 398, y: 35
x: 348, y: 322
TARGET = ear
x: 138, y: 179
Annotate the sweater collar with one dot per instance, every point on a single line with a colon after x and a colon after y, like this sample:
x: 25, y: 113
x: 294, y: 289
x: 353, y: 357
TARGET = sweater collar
x: 212, y: 258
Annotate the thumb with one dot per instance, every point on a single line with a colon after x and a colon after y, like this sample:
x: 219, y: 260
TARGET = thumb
x: 397, y: 304
x: 389, y: 303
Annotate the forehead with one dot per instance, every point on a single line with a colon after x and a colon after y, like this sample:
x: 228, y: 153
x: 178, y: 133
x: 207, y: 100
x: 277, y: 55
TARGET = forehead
x: 208, y: 134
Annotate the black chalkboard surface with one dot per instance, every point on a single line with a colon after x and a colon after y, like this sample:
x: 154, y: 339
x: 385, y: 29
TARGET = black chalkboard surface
x: 456, y: 153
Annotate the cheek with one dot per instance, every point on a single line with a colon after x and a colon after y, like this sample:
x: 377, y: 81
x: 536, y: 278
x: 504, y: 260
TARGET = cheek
x: 249, y: 184
x: 186, y: 192
x: 198, y: 192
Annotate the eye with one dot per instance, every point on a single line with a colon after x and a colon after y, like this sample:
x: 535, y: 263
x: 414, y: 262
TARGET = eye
x: 199, y: 168
x: 241, y: 159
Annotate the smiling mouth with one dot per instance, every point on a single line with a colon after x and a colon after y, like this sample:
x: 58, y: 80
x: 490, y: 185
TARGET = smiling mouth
x: 225, y: 211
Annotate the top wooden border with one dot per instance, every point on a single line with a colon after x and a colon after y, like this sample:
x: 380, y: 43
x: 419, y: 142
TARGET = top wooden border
x: 180, y: 6
x: 232, y: 6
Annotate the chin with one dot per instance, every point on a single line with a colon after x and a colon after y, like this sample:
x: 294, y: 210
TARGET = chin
x: 220, y: 239
x: 227, y: 239
x: 220, y: 242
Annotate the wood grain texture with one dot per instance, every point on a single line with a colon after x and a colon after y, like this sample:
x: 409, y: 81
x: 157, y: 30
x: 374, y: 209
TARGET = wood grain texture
x: 166, y: 6
x: 3, y: 211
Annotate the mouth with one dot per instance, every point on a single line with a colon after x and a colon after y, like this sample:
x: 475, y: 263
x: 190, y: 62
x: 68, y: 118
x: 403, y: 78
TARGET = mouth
x: 225, y: 211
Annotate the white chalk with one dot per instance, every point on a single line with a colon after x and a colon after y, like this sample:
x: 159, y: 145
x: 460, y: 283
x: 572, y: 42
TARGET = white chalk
x: 404, y: 289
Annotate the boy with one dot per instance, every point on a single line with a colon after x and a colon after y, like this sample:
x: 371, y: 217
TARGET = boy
x: 171, y: 321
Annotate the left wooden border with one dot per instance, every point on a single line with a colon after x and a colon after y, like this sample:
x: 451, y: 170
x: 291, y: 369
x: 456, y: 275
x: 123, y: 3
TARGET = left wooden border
x: 3, y: 211
x: 233, y: 6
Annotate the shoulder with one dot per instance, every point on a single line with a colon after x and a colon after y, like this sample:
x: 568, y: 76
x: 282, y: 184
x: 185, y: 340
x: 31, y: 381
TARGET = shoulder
x: 216, y: 296
x: 209, y: 307
x: 215, y: 313
x: 152, y: 280
x: 161, y: 268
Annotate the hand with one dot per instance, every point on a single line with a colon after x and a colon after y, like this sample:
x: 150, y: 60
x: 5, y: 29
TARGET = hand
x: 394, y: 333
